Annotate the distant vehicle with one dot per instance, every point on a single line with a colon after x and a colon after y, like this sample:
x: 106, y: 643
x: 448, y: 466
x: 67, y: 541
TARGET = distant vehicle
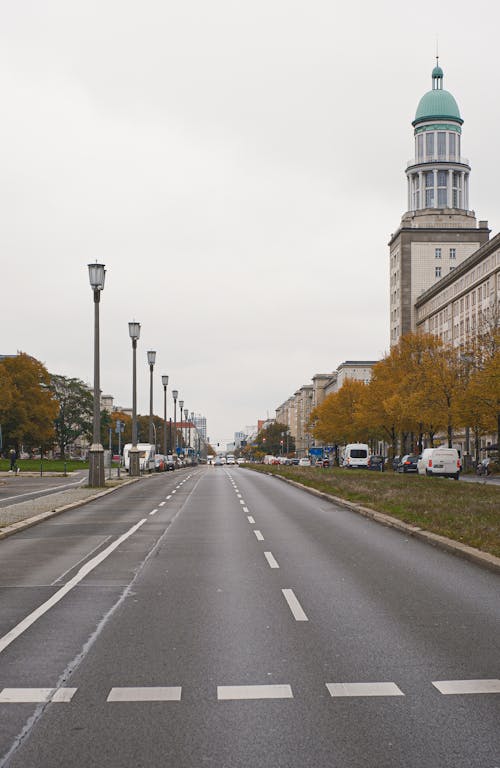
x: 210, y: 458
x: 439, y: 462
x: 169, y: 464
x: 326, y: 463
x: 376, y: 463
x: 304, y: 462
x: 408, y: 463
x: 356, y: 456
x: 159, y: 462
x: 146, y: 456
x: 218, y: 462
x: 295, y: 462
x: 240, y: 461
x: 270, y: 459
x: 230, y: 459
x: 318, y: 463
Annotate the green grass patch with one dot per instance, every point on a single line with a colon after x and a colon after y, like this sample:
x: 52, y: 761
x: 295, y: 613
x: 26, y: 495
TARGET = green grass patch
x: 48, y: 465
x: 465, y: 512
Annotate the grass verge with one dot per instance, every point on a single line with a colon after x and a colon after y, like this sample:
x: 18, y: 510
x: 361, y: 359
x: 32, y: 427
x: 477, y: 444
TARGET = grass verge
x: 465, y: 512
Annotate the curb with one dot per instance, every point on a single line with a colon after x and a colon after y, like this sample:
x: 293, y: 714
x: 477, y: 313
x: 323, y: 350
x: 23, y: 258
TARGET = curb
x: 442, y: 542
x: 10, y: 530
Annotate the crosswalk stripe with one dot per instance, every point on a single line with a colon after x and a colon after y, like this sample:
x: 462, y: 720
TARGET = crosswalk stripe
x: 233, y: 692
x: 363, y: 689
x: 36, y: 695
x: 149, y: 693
x: 449, y: 687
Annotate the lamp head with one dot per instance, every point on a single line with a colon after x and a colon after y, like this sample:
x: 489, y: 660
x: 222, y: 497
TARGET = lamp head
x: 97, y: 273
x: 164, y: 380
x: 175, y: 394
x: 134, y: 330
x: 151, y: 357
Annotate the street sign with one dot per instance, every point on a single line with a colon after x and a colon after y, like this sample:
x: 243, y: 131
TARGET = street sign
x: 316, y: 451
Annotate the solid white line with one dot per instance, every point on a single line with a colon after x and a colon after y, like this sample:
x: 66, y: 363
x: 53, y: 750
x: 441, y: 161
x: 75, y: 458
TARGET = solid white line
x: 162, y: 504
x: 42, y: 493
x: 363, y: 689
x: 294, y: 605
x: 153, y: 512
x: 270, y: 559
x: 152, y: 693
x: 233, y: 692
x: 251, y: 520
x: 259, y: 536
x: 449, y: 687
x: 36, y: 695
x: 23, y: 625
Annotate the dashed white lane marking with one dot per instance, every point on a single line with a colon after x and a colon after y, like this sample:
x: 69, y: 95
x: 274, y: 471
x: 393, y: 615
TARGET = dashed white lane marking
x: 23, y: 625
x: 271, y: 560
x: 168, y: 497
x: 341, y: 690
x: 161, y: 504
x: 153, y: 512
x: 241, y: 501
x: 245, y: 509
x: 259, y: 535
x: 294, y: 605
x: 36, y: 695
x: 151, y: 693
x: 174, y: 492
x: 233, y: 692
x: 251, y: 520
x: 449, y: 687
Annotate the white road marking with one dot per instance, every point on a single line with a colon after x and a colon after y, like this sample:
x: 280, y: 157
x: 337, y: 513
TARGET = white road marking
x: 59, y: 578
x: 55, y: 489
x: 23, y: 625
x: 448, y: 687
x: 233, y: 692
x: 294, y: 605
x: 251, y: 520
x: 259, y: 535
x: 271, y: 560
x: 153, y: 512
x: 162, y: 504
x: 239, y: 495
x: 151, y: 693
x: 363, y: 689
x: 36, y: 695
x: 245, y: 509
x: 173, y: 492
x: 168, y: 497
x: 241, y: 501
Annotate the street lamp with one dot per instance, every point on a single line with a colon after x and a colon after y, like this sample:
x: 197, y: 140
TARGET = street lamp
x: 164, y: 381
x: 134, y: 330
x: 97, y: 273
x: 175, y: 395
x: 181, y: 406
x: 191, y: 421
x: 151, y: 361
x: 186, y: 413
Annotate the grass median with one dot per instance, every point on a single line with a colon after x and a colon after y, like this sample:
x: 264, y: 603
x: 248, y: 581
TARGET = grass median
x: 465, y: 512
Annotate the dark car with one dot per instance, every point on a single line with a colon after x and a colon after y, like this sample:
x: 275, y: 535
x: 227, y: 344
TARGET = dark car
x: 376, y: 463
x: 408, y: 463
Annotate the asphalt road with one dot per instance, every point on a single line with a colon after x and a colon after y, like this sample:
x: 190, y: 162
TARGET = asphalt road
x: 23, y: 487
x: 218, y: 617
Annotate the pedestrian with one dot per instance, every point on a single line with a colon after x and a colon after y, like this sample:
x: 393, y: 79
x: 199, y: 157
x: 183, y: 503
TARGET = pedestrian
x: 12, y: 457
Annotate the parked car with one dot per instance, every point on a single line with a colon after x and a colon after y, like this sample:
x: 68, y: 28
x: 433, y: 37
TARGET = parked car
x: 295, y: 462
x: 218, y: 462
x: 304, y: 462
x: 326, y: 463
x: 159, y: 462
x: 169, y: 464
x: 408, y: 463
x: 439, y: 462
x: 376, y: 463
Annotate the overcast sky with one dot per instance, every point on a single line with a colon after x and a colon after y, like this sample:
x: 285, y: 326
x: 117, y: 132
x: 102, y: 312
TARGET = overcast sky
x: 237, y: 166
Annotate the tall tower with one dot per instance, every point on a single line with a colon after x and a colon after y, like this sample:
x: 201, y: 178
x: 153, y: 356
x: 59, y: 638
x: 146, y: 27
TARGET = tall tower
x: 438, y: 231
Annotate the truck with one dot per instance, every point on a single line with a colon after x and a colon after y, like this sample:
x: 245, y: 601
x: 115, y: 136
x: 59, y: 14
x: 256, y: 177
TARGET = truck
x: 146, y: 456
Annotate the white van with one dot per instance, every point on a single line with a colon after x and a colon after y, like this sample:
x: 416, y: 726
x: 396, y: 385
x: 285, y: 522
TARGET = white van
x: 356, y: 456
x: 146, y: 457
x: 441, y: 462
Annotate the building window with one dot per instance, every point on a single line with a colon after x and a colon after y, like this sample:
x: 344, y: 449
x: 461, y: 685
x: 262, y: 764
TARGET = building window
x: 452, y: 145
x: 453, y: 253
x: 441, y: 142
x: 438, y: 271
x: 437, y: 253
x: 420, y: 146
x: 429, y: 145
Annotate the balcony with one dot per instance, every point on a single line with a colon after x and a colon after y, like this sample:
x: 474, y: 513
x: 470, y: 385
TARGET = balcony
x: 439, y: 159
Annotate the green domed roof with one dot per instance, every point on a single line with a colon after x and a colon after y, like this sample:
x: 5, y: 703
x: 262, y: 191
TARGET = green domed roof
x: 437, y: 104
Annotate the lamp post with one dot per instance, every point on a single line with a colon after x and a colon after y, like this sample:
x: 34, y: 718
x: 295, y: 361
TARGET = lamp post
x: 97, y: 273
x: 186, y: 414
x: 175, y: 395
x: 191, y: 421
x: 151, y: 361
x: 181, y: 406
x: 164, y: 381
x: 134, y: 330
